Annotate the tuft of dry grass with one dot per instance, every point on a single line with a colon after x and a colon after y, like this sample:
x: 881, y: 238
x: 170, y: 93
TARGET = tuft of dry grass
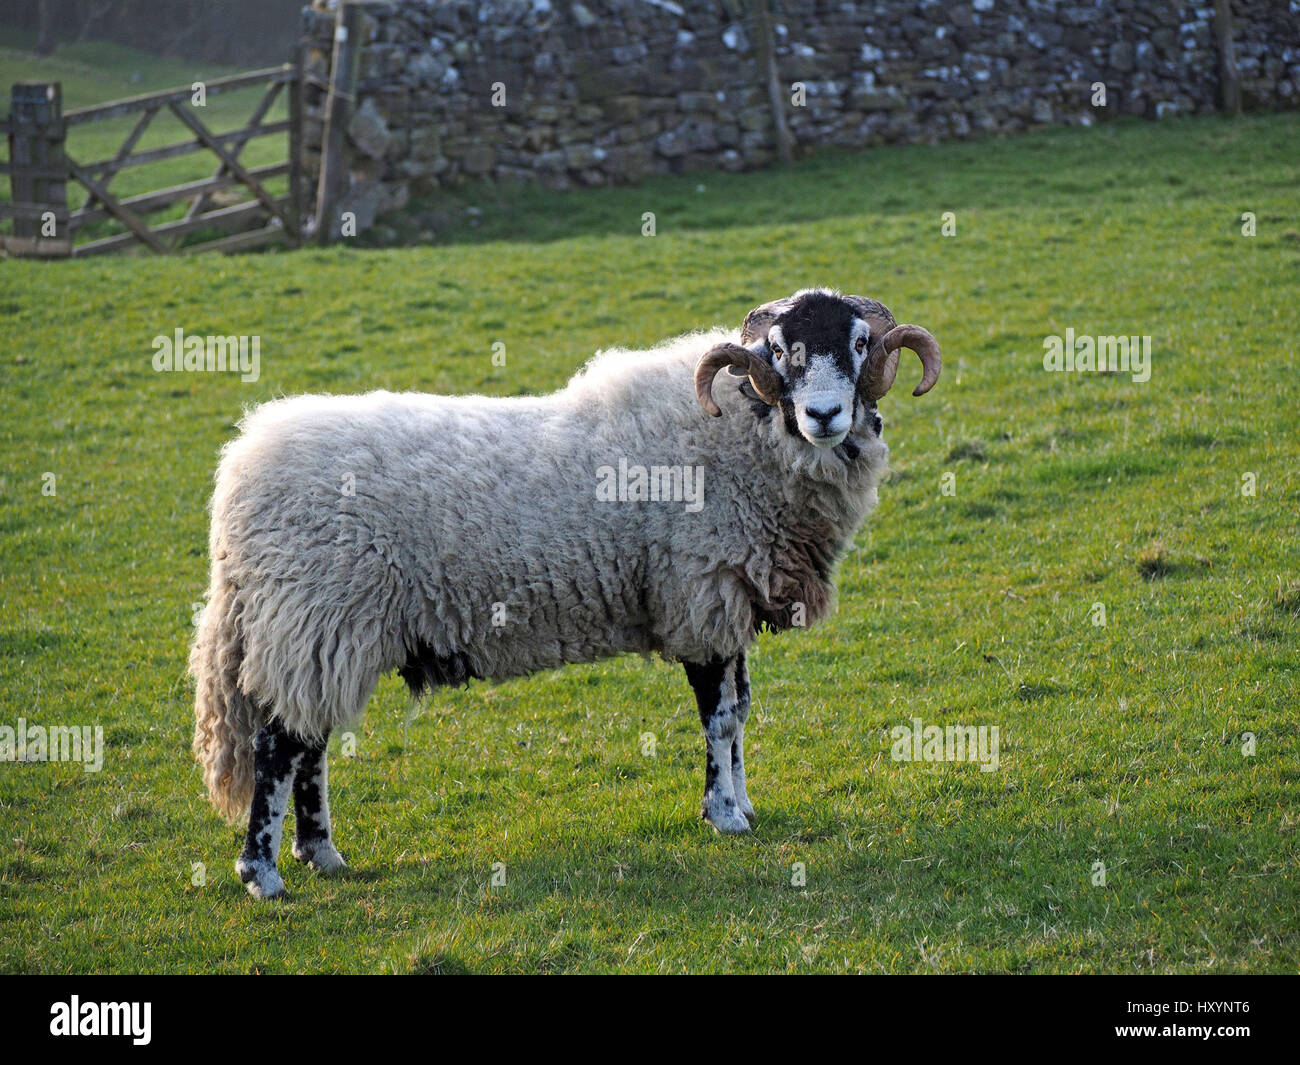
x: 1286, y: 599
x: 969, y: 449
x: 1153, y: 561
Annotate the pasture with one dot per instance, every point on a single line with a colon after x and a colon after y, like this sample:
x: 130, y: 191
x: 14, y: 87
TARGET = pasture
x: 551, y: 824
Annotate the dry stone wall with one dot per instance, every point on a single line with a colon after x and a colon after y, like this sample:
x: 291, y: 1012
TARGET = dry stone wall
x: 589, y: 92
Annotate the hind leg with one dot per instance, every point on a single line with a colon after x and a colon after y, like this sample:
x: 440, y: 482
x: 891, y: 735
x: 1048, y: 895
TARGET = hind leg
x: 276, y: 757
x: 313, y: 841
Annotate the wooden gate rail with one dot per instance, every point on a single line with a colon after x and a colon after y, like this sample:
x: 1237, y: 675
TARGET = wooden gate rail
x: 40, y: 168
x: 156, y: 100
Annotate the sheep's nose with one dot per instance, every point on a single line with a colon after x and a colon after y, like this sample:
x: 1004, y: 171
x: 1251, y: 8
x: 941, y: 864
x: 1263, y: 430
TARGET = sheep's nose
x: 824, y: 416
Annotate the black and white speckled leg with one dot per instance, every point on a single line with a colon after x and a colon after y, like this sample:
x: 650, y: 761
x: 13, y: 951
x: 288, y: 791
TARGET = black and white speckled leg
x: 276, y: 757
x: 741, y: 680
x: 313, y: 840
x: 714, y: 684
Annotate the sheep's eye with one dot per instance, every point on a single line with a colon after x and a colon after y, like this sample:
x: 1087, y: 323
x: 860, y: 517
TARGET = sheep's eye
x: 776, y: 350
x: 861, y: 343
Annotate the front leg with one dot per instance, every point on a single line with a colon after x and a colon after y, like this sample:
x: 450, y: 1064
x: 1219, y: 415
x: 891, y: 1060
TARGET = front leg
x: 738, y: 744
x: 718, y: 697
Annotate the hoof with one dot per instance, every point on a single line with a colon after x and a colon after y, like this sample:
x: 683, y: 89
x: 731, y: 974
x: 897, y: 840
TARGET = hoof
x: 322, y: 857
x: 725, y: 817
x: 263, y: 881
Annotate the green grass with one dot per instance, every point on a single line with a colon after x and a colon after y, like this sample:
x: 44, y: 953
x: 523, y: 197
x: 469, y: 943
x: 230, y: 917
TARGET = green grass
x: 95, y: 72
x: 1120, y: 744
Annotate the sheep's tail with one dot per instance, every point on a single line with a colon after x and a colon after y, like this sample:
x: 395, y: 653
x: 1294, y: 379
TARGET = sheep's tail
x: 225, y: 718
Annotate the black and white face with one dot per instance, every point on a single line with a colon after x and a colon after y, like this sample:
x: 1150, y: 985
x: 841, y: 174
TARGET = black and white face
x: 818, y: 347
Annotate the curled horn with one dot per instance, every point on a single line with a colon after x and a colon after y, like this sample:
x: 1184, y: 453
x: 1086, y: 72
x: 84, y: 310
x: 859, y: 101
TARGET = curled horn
x: 761, y: 318
x: 887, y: 339
x: 878, y: 377
x: 766, y: 381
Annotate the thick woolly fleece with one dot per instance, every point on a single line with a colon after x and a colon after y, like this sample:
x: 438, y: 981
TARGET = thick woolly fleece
x: 464, y: 536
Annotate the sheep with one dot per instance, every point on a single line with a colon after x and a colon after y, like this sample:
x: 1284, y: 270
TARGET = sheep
x: 460, y: 538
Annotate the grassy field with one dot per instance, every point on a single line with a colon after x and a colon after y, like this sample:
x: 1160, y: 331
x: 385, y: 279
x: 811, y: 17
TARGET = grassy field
x: 1121, y: 744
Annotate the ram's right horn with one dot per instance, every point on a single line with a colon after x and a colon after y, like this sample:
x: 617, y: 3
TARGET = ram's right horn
x: 766, y: 381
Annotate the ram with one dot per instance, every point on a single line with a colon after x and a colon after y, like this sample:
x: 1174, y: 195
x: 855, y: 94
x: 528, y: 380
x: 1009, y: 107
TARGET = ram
x: 452, y: 538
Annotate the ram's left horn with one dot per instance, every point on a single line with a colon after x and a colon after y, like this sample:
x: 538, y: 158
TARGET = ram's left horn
x: 766, y: 381
x: 878, y: 376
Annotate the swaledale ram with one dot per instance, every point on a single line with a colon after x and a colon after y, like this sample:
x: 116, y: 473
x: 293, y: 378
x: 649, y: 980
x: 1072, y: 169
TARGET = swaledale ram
x: 452, y: 538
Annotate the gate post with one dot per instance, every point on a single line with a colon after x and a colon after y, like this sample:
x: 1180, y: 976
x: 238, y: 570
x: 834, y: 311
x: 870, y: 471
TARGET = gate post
x: 338, y: 111
x: 1229, y: 78
x: 296, y: 147
x: 38, y: 172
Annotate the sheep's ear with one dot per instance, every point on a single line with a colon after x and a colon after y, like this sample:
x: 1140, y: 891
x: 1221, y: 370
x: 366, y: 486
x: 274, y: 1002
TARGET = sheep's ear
x: 760, y: 319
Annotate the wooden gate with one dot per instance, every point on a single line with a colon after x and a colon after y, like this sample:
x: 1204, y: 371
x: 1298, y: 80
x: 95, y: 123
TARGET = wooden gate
x: 40, y: 168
